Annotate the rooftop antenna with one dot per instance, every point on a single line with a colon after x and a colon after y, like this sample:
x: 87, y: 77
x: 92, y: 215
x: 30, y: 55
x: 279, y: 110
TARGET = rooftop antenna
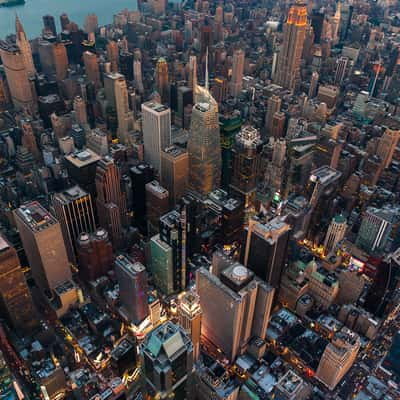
x: 206, y: 80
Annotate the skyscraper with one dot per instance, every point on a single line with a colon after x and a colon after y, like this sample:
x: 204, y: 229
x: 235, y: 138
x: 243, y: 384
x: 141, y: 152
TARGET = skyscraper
x: 387, y: 145
x: 336, y: 232
x: 49, y: 24
x: 73, y: 208
x: 246, y: 162
x: 132, y: 280
x: 24, y: 47
x: 17, y: 77
x: 157, y: 204
x: 110, y: 201
x: 16, y: 301
x: 113, y: 54
x: 273, y: 105
x: 137, y: 75
x: 44, y: 246
x: 264, y: 250
x: 60, y: 59
x: 236, y: 83
x: 192, y: 80
x: 235, y: 307
x: 124, y: 114
x: 294, y: 31
x: 91, y: 67
x: 79, y: 106
x: 162, y: 80
x: 94, y: 254
x: 167, y: 357
x: 204, y: 149
x: 189, y: 315
x: 174, y: 172
x: 156, y: 125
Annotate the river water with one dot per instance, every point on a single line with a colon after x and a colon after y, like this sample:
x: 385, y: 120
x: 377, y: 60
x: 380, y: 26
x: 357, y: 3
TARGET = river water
x: 32, y: 11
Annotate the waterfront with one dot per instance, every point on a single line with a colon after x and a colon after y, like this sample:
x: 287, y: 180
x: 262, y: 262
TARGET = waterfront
x: 32, y: 11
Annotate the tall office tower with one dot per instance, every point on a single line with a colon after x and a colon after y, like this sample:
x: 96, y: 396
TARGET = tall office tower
x: 156, y: 126
x: 236, y: 83
x: 132, y: 280
x: 161, y: 265
x: 341, y: 70
x: 137, y: 75
x: 264, y: 250
x: 174, y: 172
x: 312, y: 91
x: 17, y: 75
x: 278, y: 125
x: 173, y: 231
x: 113, y: 55
x: 246, y: 163
x: 235, y: 308
x: 60, y: 59
x: 73, y: 208
x: 110, y: 201
x: 91, y: 68
x: 162, y: 80
x: 204, y: 149
x: 91, y: 23
x: 140, y: 175
x: 16, y: 300
x: 29, y: 140
x: 167, y: 356
x: 49, y: 24
x: 64, y: 22
x: 94, y: 254
x: 335, y: 23
x: 79, y: 106
x: 189, y: 317
x: 157, y: 204
x: 375, y: 229
x: 126, y: 65
x: 387, y: 145
x: 25, y: 48
x: 97, y: 141
x: 273, y: 106
x: 192, y: 80
x: 44, y: 246
x: 206, y: 38
x: 124, y: 115
x: 336, y: 232
x: 338, y: 357
x: 346, y: 13
x: 294, y: 32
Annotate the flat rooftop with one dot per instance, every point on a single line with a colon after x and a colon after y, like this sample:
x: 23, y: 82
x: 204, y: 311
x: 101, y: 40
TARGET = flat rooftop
x: 71, y: 194
x: 35, y: 216
x: 83, y: 158
x: 325, y: 175
x: 157, y: 107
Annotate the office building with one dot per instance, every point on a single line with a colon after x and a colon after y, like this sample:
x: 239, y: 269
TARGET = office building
x: 246, y: 163
x: 124, y: 356
x: 91, y: 68
x: 157, y: 204
x: 82, y: 165
x: 338, y: 357
x: 156, y: 126
x: 79, y: 106
x: 94, y: 254
x: 110, y: 201
x: 264, y: 250
x: 162, y: 80
x: 73, y: 208
x: 113, y: 55
x: 97, y: 141
x: 292, y: 387
x: 17, y: 75
x: 24, y: 46
x: 336, y: 232
x: 60, y: 58
x: 387, y: 145
x: 141, y: 175
x: 167, y: 356
x: 132, y: 280
x: 235, y: 308
x: 204, y: 149
x: 162, y: 265
x: 294, y: 30
x: 189, y: 316
x: 341, y: 70
x: 273, y: 106
x: 375, y: 229
x: 137, y: 75
x: 16, y: 300
x: 209, y: 384
x: 174, y: 172
x: 49, y: 24
x: 192, y: 79
x: 44, y: 246
x: 124, y: 115
x: 236, y: 83
x: 91, y: 23
x: 392, y: 359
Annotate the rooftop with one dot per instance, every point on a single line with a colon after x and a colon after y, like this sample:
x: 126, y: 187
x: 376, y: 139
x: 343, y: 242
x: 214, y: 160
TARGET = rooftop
x: 325, y: 175
x: 72, y: 194
x: 83, y: 158
x: 35, y: 216
x: 157, y: 107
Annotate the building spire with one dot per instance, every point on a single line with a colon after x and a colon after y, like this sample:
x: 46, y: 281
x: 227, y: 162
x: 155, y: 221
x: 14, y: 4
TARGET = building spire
x: 19, y: 29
